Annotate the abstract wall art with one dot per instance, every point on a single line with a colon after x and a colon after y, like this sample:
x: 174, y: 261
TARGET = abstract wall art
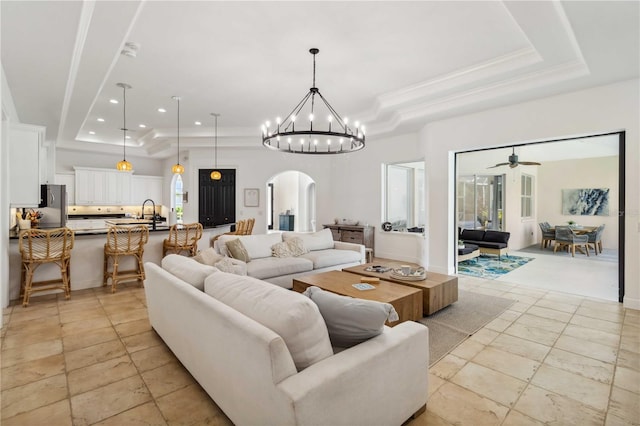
x: 585, y: 202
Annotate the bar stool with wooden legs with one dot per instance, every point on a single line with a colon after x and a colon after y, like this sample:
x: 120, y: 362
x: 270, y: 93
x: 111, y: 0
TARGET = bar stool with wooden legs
x: 124, y: 241
x: 241, y: 227
x: 183, y: 237
x: 37, y: 247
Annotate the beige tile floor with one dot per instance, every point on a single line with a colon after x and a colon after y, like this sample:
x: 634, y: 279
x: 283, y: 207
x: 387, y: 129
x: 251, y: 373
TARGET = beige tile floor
x: 551, y: 358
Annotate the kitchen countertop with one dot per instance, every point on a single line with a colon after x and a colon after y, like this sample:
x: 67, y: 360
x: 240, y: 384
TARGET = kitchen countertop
x: 13, y: 235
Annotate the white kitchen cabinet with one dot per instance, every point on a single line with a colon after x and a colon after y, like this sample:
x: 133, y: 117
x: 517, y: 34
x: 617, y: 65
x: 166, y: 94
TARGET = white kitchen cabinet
x: 24, y: 164
x: 144, y: 187
x: 69, y: 180
x: 102, y: 187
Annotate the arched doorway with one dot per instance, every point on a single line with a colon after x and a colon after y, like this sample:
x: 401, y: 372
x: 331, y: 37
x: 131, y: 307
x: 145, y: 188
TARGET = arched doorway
x: 291, y: 202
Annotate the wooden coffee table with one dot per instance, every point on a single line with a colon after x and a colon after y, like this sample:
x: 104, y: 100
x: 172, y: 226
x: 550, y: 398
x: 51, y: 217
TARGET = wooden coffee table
x: 438, y: 290
x: 407, y: 301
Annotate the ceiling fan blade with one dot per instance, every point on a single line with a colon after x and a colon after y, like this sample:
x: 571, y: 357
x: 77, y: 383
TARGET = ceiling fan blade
x: 530, y: 163
x: 513, y: 165
x: 498, y: 165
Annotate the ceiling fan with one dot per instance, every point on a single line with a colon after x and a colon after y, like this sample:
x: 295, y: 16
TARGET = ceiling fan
x: 513, y: 161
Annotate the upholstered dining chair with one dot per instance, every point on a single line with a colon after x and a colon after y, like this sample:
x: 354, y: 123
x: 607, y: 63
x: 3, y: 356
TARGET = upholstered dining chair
x: 123, y: 241
x: 565, y: 238
x: 183, y: 237
x: 595, y: 238
x: 547, y: 235
x: 39, y: 246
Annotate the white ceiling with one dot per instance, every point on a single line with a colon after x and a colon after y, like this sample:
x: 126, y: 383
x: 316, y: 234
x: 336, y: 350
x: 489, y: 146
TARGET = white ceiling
x: 393, y: 65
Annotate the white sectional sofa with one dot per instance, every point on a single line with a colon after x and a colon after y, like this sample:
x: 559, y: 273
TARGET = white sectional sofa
x: 230, y: 338
x: 324, y: 255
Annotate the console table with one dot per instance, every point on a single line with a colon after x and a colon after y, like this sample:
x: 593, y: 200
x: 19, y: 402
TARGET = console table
x: 358, y: 234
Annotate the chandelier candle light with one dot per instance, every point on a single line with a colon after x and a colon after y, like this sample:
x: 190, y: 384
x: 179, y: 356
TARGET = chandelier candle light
x: 124, y: 165
x: 215, y: 174
x: 178, y: 168
x: 283, y: 136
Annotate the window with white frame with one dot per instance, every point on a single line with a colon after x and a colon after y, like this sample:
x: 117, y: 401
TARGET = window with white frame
x: 404, y: 195
x: 176, y: 197
x: 526, y: 196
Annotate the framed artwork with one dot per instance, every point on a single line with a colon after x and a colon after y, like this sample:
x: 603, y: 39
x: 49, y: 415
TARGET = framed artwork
x: 585, y: 202
x: 251, y: 197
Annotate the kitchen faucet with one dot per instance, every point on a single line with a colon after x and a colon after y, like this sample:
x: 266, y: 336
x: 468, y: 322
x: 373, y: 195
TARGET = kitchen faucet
x: 153, y: 220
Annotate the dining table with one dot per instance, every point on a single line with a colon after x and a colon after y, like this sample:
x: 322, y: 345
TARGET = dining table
x: 578, y: 230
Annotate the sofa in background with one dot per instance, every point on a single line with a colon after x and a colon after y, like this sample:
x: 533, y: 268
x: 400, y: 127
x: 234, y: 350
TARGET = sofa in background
x: 323, y: 254
x: 489, y: 242
x: 262, y: 352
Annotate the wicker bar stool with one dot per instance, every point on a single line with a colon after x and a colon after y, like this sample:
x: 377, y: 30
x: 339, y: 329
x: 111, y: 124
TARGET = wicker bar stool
x: 37, y: 247
x: 241, y: 226
x: 124, y: 241
x: 183, y: 237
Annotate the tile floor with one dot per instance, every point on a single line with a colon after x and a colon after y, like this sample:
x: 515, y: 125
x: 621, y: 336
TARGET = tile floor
x: 551, y: 358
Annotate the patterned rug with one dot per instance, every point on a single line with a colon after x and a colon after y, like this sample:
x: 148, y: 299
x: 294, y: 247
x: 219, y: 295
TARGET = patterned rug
x: 491, y: 267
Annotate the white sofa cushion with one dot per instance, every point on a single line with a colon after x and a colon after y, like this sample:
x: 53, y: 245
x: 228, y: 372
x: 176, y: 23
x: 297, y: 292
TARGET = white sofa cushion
x: 187, y: 269
x: 277, y: 266
x: 349, y: 320
x: 320, y: 240
x: 331, y: 257
x: 257, y: 246
x: 291, y: 315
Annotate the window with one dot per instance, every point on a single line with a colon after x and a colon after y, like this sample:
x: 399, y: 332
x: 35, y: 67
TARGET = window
x: 404, y: 201
x: 526, y: 196
x: 176, y: 197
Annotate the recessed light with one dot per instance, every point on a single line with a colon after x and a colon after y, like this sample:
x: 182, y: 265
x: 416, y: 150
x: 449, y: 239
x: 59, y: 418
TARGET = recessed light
x: 142, y: 126
x: 127, y: 137
x: 113, y: 101
x: 92, y: 133
x: 101, y: 119
x: 162, y: 110
x: 197, y: 123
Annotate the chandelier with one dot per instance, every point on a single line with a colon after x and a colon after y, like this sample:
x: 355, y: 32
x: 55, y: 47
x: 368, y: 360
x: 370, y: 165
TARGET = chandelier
x: 178, y: 169
x: 335, y: 136
x: 124, y: 165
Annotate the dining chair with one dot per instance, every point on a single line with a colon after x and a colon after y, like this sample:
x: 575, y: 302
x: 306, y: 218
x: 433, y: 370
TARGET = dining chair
x: 595, y: 238
x: 547, y: 235
x: 183, y: 237
x: 37, y: 247
x: 566, y: 238
x: 123, y: 241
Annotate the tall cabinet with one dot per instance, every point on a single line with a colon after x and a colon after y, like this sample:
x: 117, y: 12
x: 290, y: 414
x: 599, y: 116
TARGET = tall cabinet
x: 25, y: 142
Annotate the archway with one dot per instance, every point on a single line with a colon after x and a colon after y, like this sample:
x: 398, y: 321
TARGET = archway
x: 291, y: 202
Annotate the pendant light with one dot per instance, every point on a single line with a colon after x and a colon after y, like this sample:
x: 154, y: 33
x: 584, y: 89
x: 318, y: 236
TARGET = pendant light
x: 215, y: 174
x: 124, y: 165
x: 178, y: 168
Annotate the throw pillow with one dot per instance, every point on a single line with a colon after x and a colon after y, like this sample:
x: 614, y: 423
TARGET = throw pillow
x: 232, y: 266
x: 237, y: 251
x: 312, y: 241
x: 292, y: 316
x: 187, y: 269
x: 296, y: 246
x: 208, y: 257
x: 349, y: 320
x: 281, y: 249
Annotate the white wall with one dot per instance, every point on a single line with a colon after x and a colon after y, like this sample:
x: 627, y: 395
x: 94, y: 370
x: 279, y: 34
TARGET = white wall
x: 597, y: 110
x: 4, y: 219
x: 586, y: 173
x: 66, y: 159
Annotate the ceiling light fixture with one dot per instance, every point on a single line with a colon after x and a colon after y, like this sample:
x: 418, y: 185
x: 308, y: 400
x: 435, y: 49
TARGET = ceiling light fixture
x: 124, y: 165
x: 280, y: 136
x: 177, y: 168
x: 215, y: 174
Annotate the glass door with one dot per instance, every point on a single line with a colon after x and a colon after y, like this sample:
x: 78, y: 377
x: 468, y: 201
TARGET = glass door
x: 480, y: 202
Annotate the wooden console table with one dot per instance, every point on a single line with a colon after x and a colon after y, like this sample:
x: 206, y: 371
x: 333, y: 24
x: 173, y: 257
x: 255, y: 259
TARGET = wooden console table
x: 358, y: 234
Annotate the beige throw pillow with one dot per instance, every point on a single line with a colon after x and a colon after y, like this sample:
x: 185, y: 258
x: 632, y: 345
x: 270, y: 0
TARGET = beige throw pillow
x: 237, y: 250
x: 208, y: 257
x: 232, y: 266
x: 290, y: 248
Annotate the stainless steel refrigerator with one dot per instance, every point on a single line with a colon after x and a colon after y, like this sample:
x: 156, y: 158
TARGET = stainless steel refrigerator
x: 53, y: 205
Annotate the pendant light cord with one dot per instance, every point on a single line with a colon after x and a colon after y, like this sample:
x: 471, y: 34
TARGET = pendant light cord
x: 178, y: 99
x: 124, y: 121
x: 215, y: 148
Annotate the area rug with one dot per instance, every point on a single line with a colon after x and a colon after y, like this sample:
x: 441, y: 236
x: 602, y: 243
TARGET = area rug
x: 452, y: 325
x: 491, y: 267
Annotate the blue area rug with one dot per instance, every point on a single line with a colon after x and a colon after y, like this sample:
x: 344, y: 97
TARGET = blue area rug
x: 491, y: 267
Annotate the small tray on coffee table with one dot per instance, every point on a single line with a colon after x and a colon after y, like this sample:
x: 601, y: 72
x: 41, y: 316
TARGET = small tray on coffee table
x: 418, y: 274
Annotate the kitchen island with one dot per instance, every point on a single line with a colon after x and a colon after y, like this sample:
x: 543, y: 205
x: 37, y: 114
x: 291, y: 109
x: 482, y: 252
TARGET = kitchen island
x: 87, y: 258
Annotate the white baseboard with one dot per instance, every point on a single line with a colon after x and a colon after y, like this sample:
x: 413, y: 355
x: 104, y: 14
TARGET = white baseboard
x: 630, y: 303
